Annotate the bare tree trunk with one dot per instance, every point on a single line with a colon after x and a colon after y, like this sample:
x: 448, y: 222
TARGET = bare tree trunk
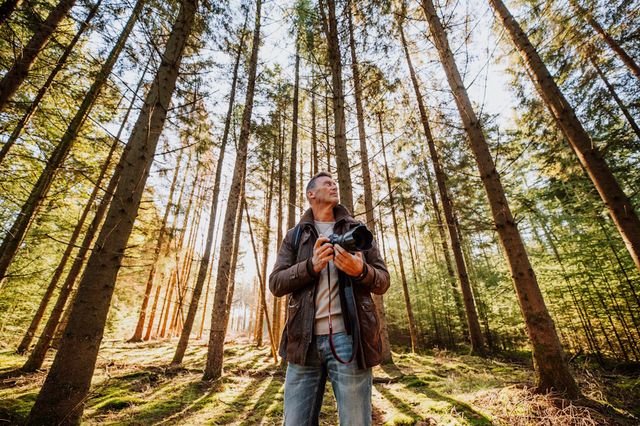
x: 614, y: 95
x: 291, y: 210
x: 620, y: 208
x: 335, y: 62
x: 67, y: 384
x: 137, y: 334
x: 475, y: 335
x: 18, y: 72
x: 213, y: 368
x: 261, y: 295
x: 14, y: 237
x: 552, y: 371
x: 234, y: 256
x: 366, y: 177
x: 6, y: 9
x: 445, y: 247
x: 33, y: 106
x: 613, y: 44
x: 405, y: 288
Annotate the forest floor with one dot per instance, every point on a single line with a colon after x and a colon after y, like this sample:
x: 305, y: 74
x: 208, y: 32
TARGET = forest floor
x: 133, y: 385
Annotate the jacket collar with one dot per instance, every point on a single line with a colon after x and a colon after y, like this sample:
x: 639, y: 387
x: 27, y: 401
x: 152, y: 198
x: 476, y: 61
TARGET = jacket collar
x: 340, y: 213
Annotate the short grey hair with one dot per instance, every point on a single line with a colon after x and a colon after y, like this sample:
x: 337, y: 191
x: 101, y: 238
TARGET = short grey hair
x: 312, y: 182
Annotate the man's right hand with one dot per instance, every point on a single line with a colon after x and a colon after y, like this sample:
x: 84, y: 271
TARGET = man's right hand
x: 322, y: 254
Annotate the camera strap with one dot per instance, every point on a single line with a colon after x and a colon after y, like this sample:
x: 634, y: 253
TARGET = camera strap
x: 351, y: 308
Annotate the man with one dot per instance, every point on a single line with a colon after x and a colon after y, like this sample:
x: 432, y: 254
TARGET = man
x: 332, y: 327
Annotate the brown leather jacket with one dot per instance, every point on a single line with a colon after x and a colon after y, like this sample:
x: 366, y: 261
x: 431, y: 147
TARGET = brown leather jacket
x: 293, y: 275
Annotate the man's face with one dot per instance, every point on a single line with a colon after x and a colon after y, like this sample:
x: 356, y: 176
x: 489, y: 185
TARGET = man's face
x: 325, y: 192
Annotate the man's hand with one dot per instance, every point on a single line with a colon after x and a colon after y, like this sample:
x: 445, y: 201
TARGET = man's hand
x: 351, y: 264
x: 322, y: 254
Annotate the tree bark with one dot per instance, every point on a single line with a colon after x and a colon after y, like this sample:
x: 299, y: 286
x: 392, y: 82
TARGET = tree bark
x: 366, y: 176
x: 618, y: 204
x: 12, y: 80
x: 552, y: 371
x: 137, y: 334
x: 14, y: 237
x: 206, y: 257
x: 475, y: 335
x: 613, y: 44
x: 335, y: 62
x: 213, y: 368
x: 33, y: 106
x: 291, y: 209
x: 67, y: 384
x: 407, y: 300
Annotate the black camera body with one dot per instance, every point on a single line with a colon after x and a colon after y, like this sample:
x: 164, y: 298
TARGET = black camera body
x: 356, y: 239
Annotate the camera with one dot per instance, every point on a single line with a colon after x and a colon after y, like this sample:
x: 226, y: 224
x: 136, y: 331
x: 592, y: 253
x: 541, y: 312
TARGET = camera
x: 356, y: 239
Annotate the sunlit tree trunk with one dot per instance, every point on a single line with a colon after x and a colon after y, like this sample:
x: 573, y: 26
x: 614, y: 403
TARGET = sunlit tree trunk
x: 61, y: 399
x: 33, y: 106
x: 552, y: 371
x: 623, y: 108
x: 366, y: 176
x: 291, y: 208
x: 613, y: 44
x: 330, y: 26
x: 137, y: 334
x: 14, y: 77
x: 18, y: 229
x: 475, y: 335
x: 405, y: 288
x: 261, y: 295
x: 618, y: 204
x: 213, y: 368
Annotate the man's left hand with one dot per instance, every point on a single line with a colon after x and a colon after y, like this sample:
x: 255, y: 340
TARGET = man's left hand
x: 351, y: 264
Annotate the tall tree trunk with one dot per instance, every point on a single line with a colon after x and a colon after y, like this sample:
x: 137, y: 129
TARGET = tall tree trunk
x: 18, y: 72
x: 137, y: 334
x: 291, y: 210
x: 277, y: 301
x: 326, y: 129
x: 213, y: 368
x: 342, y: 156
x: 445, y: 247
x: 37, y: 357
x: 620, y: 208
x: 265, y: 251
x: 405, y: 288
x: 613, y: 44
x: 614, y: 95
x: 552, y: 371
x: 262, y: 301
x: 314, y: 130
x: 33, y: 106
x: 366, y: 176
x: 475, y: 335
x: 6, y: 9
x: 206, y: 257
x: 14, y: 237
x: 67, y: 384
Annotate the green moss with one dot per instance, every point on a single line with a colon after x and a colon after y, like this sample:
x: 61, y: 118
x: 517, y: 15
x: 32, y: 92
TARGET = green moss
x: 118, y: 403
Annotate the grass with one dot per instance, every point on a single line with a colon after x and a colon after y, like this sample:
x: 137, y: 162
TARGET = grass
x: 134, y: 385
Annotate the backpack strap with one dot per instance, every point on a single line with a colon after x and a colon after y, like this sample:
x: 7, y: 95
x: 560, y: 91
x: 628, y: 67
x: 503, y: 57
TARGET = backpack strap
x: 297, y: 233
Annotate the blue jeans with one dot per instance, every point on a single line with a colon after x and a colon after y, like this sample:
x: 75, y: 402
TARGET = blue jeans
x: 304, y: 385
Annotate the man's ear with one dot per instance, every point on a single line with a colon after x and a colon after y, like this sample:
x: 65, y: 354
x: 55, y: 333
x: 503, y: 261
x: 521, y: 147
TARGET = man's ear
x: 311, y: 195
